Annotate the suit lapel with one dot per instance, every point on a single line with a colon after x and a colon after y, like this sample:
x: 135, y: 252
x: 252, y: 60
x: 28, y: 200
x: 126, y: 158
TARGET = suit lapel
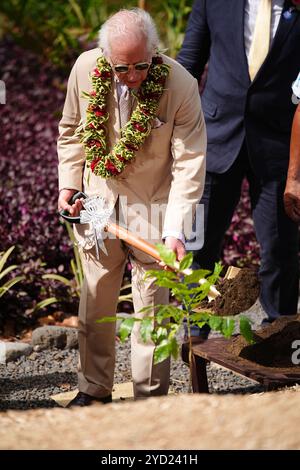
x: 284, y: 27
x: 237, y: 14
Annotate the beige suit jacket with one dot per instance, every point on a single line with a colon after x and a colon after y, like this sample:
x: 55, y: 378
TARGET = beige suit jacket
x: 170, y: 166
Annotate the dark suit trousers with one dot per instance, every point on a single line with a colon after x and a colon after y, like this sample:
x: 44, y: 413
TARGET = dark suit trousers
x: 275, y: 232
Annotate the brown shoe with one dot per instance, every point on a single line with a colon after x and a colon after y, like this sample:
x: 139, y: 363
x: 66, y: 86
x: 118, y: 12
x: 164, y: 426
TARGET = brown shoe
x: 83, y: 399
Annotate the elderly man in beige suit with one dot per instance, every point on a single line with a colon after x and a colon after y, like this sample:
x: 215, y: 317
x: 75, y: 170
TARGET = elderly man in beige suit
x: 155, y: 155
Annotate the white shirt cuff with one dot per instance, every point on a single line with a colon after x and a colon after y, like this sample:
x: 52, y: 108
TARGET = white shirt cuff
x: 170, y: 233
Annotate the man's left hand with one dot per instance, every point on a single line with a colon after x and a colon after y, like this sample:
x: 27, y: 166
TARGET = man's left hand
x: 177, y: 246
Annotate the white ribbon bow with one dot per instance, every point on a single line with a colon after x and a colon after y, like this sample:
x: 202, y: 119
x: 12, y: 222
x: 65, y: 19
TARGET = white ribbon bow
x: 97, y: 214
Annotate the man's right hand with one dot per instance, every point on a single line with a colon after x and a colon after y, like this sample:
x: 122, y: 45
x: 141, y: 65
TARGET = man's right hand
x: 292, y: 199
x: 63, y: 202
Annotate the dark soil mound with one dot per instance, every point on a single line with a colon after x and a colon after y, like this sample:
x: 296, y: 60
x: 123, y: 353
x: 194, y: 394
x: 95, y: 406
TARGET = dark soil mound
x: 237, y: 294
x: 273, y: 347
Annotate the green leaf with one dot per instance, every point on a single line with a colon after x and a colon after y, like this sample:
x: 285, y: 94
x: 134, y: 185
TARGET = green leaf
x: 126, y: 328
x: 4, y: 257
x: 201, y: 294
x: 167, y: 255
x: 200, y: 316
x: 196, y: 276
x: 9, y: 284
x: 160, y: 274
x: 216, y: 274
x: 57, y: 277
x: 45, y: 303
x: 215, y: 323
x: 127, y: 298
x: 163, y: 312
x: 126, y: 286
x: 161, y: 352
x: 173, y: 347
x: 245, y: 329
x: 146, y: 329
x: 186, y: 262
x: 161, y: 333
x: 8, y: 270
x: 149, y: 308
x: 75, y: 6
x: 166, y: 283
x: 170, y: 311
x: 227, y: 327
x: 108, y: 319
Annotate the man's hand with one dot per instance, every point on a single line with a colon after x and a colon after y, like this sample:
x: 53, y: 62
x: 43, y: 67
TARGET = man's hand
x: 292, y: 199
x: 177, y: 246
x: 63, y: 202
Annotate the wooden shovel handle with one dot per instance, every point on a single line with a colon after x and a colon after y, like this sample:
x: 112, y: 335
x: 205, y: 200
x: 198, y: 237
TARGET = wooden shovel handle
x: 146, y: 247
x: 133, y: 240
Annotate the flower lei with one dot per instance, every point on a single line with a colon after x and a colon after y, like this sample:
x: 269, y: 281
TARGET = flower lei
x: 93, y: 133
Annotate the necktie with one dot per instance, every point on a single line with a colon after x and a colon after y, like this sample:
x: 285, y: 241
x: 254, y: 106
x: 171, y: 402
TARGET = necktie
x: 125, y: 106
x: 261, y: 37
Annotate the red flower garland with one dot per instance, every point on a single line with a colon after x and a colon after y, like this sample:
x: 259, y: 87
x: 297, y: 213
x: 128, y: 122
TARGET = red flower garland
x: 134, y: 133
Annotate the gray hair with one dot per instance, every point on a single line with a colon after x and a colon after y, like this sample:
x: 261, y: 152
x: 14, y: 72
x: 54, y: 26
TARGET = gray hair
x: 125, y: 22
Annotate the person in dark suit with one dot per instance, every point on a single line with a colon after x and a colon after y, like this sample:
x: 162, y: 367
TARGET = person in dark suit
x: 252, y: 50
x: 292, y: 189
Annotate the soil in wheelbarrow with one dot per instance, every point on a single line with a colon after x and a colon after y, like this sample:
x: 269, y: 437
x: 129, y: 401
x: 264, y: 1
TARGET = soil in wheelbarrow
x: 275, y: 345
x: 237, y: 294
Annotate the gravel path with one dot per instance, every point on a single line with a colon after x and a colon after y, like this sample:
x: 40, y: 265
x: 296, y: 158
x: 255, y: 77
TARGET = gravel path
x: 30, y: 381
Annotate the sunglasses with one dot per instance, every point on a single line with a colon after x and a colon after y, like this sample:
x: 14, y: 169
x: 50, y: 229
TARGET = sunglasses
x: 124, y: 68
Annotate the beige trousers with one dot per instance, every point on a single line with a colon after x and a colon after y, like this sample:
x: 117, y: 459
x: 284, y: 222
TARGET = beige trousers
x: 99, y: 298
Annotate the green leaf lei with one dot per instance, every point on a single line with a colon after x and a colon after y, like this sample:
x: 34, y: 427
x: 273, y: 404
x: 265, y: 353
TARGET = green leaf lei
x: 93, y: 135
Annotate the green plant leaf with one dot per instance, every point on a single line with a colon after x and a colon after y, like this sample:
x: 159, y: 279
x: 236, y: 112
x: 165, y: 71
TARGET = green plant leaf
x: 227, y: 327
x: 196, y: 276
x: 126, y: 286
x: 126, y: 328
x: 167, y: 255
x: 8, y: 270
x: 176, y: 313
x: 160, y: 334
x: 127, y: 298
x: 186, y: 262
x: 45, y: 303
x: 146, y: 329
x: 167, y: 283
x: 215, y: 323
x: 5, y: 256
x: 161, y: 351
x: 173, y: 347
x: 200, y: 316
x: 216, y: 274
x: 9, y: 284
x: 76, y: 7
x: 245, y: 329
x: 57, y: 277
x: 108, y: 319
x: 160, y: 274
